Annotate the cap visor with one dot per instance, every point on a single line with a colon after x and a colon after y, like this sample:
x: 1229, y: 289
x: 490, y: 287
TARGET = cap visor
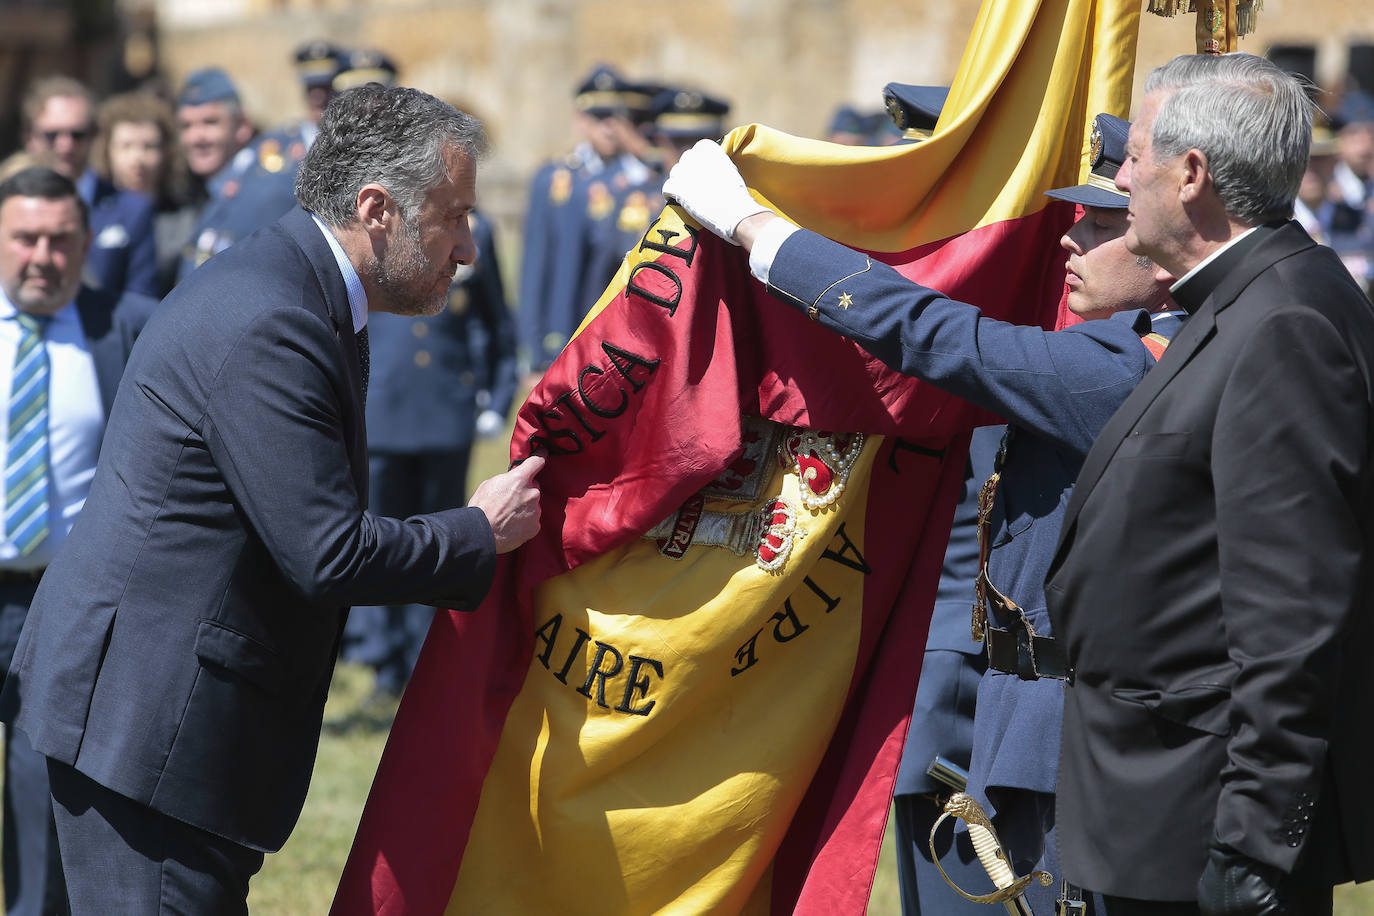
x: 1089, y: 196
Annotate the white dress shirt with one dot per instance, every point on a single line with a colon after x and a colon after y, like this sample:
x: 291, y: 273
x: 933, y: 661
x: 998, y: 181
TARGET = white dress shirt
x: 76, y: 422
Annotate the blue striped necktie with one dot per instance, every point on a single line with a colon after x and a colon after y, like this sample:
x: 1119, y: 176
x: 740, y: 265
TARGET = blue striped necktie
x: 26, y: 457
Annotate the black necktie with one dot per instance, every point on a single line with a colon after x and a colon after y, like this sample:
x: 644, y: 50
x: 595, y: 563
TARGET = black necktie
x: 364, y: 358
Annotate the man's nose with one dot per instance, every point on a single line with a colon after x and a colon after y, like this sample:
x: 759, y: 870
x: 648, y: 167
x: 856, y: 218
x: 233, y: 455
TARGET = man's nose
x: 465, y: 251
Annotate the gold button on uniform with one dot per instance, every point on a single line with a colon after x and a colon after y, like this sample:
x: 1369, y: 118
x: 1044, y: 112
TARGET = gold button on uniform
x: 419, y: 329
x: 422, y: 358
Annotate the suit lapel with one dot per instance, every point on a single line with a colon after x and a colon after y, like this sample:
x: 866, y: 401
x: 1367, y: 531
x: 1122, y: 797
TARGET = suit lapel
x: 1194, y: 334
x: 301, y: 227
x: 1261, y: 253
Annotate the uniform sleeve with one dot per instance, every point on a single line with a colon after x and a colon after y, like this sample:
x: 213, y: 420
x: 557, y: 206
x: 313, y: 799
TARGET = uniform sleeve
x: 142, y: 274
x: 273, y: 428
x: 534, y: 267
x: 1289, y: 454
x: 1063, y: 385
x: 498, y: 360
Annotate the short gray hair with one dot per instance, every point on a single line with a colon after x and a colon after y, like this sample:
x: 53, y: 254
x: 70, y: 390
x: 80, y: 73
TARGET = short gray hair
x: 391, y: 136
x: 1252, y: 120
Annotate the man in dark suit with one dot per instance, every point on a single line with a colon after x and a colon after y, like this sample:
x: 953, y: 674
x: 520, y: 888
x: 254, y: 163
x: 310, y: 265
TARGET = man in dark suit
x: 59, y: 126
x: 82, y: 337
x: 176, y: 660
x: 1213, y: 576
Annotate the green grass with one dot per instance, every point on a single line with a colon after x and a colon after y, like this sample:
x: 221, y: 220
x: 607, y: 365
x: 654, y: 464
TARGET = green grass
x: 300, y: 880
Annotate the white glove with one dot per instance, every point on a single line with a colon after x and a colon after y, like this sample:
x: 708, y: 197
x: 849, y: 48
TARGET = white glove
x: 709, y: 187
x: 489, y: 423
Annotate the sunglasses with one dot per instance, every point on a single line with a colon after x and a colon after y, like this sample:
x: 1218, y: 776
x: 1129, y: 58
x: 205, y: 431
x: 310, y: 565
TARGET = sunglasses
x: 80, y: 135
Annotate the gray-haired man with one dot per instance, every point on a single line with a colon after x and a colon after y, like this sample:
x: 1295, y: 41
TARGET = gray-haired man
x: 1212, y: 583
x: 176, y: 660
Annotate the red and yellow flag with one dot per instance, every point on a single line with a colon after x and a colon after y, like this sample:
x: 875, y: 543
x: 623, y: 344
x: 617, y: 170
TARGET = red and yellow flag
x: 689, y: 692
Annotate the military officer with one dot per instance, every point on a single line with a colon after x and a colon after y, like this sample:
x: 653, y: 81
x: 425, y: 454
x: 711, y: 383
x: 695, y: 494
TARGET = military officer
x: 248, y: 184
x: 680, y: 117
x: 565, y: 197
x: 317, y: 63
x: 361, y: 66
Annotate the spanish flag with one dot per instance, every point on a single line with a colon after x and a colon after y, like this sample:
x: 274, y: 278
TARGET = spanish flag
x: 688, y: 694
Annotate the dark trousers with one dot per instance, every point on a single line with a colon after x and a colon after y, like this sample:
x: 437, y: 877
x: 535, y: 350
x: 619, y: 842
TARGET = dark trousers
x: 32, y: 867
x: 121, y: 856
x: 388, y: 639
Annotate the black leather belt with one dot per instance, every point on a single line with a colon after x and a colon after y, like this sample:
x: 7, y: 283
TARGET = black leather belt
x: 20, y: 576
x: 1029, y: 657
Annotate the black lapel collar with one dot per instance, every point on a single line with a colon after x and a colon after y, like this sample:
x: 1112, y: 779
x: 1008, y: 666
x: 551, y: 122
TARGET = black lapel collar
x: 1224, y: 278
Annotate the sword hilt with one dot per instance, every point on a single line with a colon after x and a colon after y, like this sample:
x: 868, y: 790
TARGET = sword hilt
x: 1010, y: 889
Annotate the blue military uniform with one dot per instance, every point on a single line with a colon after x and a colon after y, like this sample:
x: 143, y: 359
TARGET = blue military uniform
x: 566, y: 197
x: 680, y: 117
x: 942, y: 719
x: 318, y: 64
x: 123, y: 255
x: 250, y: 191
x: 430, y: 377
x: 1056, y: 390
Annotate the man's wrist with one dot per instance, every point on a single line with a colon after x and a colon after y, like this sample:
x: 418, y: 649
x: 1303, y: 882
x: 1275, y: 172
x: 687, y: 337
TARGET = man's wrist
x: 748, y: 229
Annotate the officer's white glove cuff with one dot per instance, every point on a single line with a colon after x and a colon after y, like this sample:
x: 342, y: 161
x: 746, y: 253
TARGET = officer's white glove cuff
x: 709, y: 187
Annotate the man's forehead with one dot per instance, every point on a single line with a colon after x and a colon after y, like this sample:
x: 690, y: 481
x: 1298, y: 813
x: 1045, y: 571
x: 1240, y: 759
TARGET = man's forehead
x: 51, y: 214
x: 64, y: 107
x: 208, y: 111
x: 462, y: 175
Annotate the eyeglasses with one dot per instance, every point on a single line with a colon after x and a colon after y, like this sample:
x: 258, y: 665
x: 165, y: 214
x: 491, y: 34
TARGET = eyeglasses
x: 79, y: 135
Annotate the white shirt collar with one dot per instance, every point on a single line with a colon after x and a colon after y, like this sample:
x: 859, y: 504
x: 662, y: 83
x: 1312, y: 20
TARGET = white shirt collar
x: 357, y: 296
x: 67, y: 313
x: 1208, y: 260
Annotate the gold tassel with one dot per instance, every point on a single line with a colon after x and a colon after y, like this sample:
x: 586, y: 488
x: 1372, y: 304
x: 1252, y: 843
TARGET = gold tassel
x: 1247, y: 13
x: 1169, y: 8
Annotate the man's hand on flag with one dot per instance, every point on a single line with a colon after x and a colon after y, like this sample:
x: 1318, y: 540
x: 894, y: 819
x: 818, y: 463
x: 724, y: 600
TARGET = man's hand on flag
x: 709, y: 187
x: 511, y: 503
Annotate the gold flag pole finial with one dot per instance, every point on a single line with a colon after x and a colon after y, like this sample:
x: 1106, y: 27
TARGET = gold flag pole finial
x: 1220, y: 23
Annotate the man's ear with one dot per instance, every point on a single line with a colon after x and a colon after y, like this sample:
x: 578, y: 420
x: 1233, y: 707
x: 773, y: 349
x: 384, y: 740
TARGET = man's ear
x: 374, y: 208
x: 1196, y: 176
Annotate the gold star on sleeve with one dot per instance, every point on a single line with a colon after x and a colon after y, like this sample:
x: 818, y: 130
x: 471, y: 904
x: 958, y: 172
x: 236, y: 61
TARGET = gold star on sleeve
x: 846, y: 300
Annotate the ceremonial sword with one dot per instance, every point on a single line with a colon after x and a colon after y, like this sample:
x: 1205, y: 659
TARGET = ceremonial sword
x: 962, y: 806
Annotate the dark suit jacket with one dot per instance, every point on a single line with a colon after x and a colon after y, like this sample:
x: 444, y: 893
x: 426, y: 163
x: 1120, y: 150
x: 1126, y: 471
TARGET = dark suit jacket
x: 1212, y: 586
x: 180, y: 647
